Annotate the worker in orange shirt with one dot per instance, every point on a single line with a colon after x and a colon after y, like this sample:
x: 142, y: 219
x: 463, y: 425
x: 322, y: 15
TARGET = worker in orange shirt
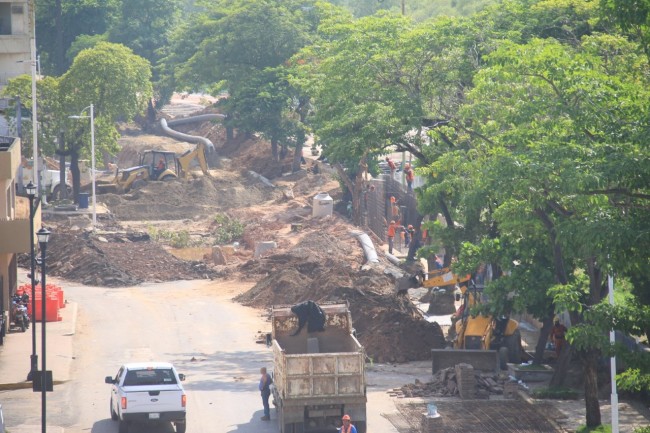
x: 392, y: 228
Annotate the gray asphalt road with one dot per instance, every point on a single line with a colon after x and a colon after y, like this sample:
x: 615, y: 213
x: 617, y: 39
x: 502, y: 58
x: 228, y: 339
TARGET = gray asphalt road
x: 194, y: 325
x: 207, y: 337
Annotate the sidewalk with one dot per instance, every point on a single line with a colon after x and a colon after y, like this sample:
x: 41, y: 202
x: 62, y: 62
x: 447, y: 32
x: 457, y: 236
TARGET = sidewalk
x: 17, y: 349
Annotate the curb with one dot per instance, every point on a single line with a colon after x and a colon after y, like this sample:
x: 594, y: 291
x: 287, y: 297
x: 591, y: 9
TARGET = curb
x: 73, y: 325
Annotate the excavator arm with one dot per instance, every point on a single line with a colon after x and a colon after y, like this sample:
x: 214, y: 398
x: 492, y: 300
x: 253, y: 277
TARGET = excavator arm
x: 186, y: 159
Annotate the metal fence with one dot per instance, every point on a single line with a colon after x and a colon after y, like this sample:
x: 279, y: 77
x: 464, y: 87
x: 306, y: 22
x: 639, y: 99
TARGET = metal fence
x: 378, y: 212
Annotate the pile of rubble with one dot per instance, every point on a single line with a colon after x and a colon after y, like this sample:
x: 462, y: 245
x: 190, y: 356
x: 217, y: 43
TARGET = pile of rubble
x: 445, y: 384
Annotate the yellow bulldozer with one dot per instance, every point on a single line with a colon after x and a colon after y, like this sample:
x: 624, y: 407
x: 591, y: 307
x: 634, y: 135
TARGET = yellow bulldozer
x: 157, y: 165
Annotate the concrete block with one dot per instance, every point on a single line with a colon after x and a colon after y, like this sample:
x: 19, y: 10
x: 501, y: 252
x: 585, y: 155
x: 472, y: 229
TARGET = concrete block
x: 262, y: 247
x: 432, y: 424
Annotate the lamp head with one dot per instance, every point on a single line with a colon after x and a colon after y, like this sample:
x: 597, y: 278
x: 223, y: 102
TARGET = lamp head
x: 43, y: 235
x: 30, y: 188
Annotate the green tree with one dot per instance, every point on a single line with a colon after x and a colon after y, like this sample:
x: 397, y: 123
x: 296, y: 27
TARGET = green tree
x: 59, y: 22
x: 560, y: 147
x: 228, y: 52
x: 145, y: 26
x: 118, y: 84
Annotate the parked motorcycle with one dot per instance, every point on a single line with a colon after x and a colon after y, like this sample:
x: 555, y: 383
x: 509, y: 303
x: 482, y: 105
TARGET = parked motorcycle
x: 19, y: 312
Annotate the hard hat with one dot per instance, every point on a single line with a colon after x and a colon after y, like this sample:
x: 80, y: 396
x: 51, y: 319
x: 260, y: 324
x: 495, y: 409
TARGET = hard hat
x: 346, y: 417
x: 392, y: 221
x: 410, y: 226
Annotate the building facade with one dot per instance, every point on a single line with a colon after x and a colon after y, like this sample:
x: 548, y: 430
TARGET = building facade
x: 15, y: 33
x: 14, y: 222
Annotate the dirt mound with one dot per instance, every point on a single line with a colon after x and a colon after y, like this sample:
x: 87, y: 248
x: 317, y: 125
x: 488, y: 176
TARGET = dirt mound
x: 182, y: 199
x: 325, y: 266
x: 114, y: 260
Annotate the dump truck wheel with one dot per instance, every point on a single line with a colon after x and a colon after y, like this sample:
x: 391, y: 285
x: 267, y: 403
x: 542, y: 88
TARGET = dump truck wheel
x: 513, y: 344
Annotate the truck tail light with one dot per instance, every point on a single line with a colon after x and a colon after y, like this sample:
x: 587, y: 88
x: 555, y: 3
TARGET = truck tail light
x: 123, y: 402
x: 183, y: 400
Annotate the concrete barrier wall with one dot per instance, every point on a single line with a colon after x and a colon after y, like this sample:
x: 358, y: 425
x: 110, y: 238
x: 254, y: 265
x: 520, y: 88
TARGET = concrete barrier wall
x: 484, y: 360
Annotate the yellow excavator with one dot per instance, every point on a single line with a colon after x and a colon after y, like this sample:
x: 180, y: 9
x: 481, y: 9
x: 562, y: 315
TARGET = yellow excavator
x: 157, y: 165
x: 483, y: 332
x: 472, y: 331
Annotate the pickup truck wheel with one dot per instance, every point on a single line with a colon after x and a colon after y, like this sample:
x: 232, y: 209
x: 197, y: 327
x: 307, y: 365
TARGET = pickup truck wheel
x: 57, y: 192
x: 123, y: 427
x: 181, y: 426
x: 114, y: 416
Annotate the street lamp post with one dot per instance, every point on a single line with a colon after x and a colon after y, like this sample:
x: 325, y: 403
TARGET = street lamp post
x: 92, y: 155
x: 43, y: 236
x: 30, y: 188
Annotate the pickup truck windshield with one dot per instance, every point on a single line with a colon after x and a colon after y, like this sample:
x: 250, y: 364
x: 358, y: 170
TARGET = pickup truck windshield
x: 150, y: 377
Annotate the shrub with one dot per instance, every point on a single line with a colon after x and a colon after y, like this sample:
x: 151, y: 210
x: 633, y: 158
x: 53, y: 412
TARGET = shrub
x: 603, y: 428
x: 558, y: 393
x: 180, y: 239
x: 228, y: 229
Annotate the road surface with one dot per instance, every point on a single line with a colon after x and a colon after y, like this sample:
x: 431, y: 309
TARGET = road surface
x: 194, y: 325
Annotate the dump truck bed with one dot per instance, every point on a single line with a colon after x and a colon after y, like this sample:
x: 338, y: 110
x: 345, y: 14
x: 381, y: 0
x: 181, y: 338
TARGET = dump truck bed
x: 320, y: 364
x: 318, y: 376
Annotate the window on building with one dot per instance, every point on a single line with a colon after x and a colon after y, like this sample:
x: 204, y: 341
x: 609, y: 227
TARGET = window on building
x: 5, y: 18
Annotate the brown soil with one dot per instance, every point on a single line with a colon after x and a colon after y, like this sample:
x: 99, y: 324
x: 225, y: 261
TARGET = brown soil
x: 319, y: 261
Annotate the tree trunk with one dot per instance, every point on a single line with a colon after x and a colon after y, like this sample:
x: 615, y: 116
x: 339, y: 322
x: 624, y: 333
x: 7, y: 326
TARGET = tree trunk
x: 355, y: 187
x: 230, y: 133
x: 590, y: 363
x: 274, y: 149
x: 63, y: 190
x: 561, y: 367
x: 76, y: 174
x: 547, y: 324
x: 297, y: 153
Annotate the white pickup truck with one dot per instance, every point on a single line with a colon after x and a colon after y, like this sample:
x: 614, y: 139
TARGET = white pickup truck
x: 147, y: 392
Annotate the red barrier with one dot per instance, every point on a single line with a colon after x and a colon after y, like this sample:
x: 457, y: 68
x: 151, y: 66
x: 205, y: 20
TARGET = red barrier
x: 55, y: 301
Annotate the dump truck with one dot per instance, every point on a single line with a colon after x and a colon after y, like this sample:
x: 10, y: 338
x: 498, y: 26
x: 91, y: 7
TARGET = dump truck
x: 318, y: 377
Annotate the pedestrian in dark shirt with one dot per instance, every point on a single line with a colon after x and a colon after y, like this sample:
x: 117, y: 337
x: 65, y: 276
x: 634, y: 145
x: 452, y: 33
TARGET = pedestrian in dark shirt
x: 265, y: 390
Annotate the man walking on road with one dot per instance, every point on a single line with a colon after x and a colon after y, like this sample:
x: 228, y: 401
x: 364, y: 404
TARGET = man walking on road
x: 265, y: 390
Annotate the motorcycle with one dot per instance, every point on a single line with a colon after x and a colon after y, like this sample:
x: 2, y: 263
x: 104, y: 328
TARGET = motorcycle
x: 19, y: 313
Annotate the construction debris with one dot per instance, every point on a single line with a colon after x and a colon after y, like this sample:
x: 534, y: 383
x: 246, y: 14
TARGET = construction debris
x: 445, y: 384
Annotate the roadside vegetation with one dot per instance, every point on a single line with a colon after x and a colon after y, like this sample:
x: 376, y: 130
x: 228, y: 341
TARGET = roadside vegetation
x: 528, y: 120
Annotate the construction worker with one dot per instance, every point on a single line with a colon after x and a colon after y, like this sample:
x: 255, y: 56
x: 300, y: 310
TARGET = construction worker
x: 557, y: 336
x: 408, y: 235
x: 394, y: 209
x: 265, y: 391
x: 391, y: 166
x: 392, y: 228
x: 410, y: 177
x: 347, y: 426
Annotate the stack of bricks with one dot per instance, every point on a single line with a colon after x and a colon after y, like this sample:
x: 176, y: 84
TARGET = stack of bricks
x: 466, y: 381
